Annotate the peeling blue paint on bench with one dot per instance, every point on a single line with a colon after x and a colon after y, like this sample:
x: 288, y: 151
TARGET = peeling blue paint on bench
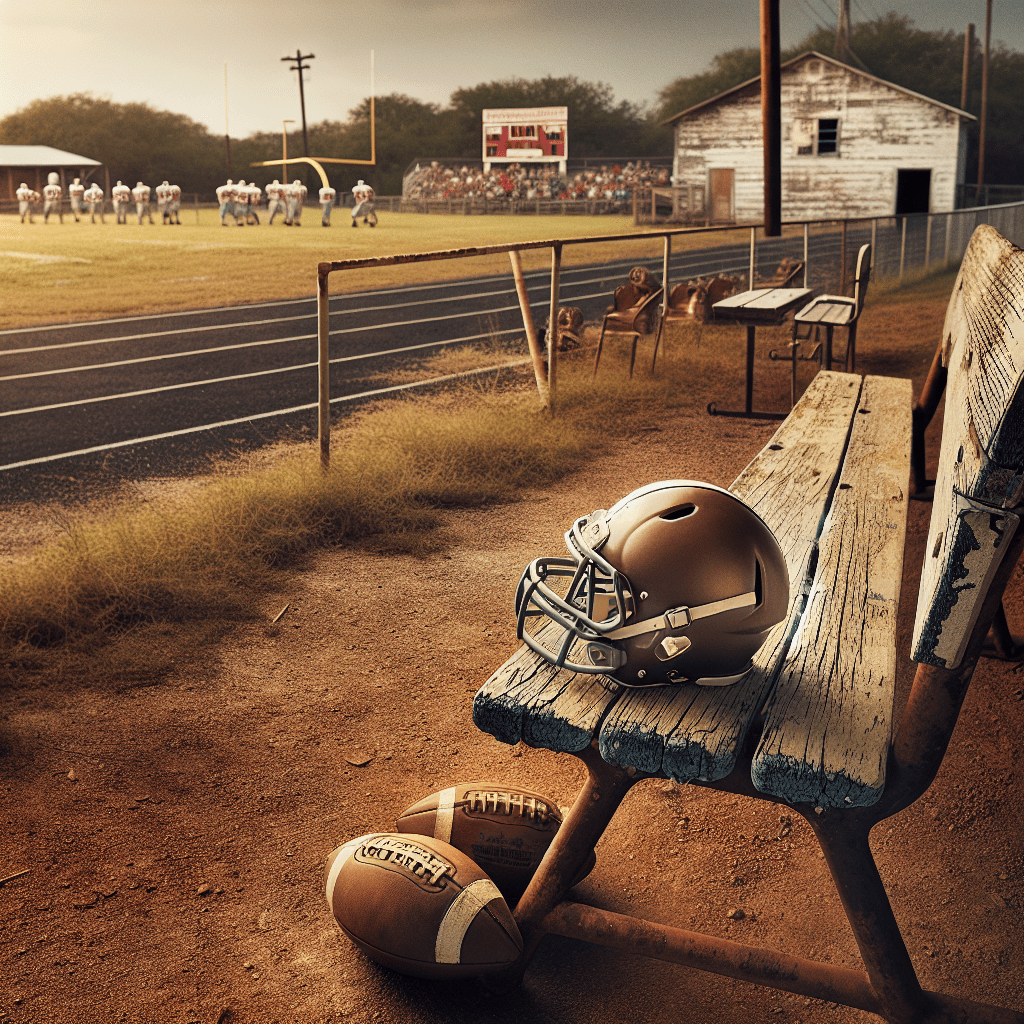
x: 981, y: 465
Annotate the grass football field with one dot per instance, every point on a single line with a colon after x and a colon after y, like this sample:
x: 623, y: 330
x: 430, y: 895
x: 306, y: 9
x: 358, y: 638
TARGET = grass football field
x: 55, y: 273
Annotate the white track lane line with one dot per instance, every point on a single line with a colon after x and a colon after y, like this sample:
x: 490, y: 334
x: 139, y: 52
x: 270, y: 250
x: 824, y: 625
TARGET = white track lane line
x: 269, y: 341
x: 257, y: 416
x: 272, y: 320
x: 462, y: 282
x: 245, y: 376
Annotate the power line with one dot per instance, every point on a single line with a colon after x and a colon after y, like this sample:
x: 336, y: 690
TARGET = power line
x: 831, y: 9
x: 810, y: 13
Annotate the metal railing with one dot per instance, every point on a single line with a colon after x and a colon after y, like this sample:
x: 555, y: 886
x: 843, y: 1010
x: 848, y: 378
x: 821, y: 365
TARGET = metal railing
x: 986, y: 195
x: 899, y: 245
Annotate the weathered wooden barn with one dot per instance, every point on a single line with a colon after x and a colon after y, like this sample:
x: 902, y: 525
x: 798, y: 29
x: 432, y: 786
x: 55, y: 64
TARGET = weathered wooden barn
x: 31, y: 164
x: 853, y: 145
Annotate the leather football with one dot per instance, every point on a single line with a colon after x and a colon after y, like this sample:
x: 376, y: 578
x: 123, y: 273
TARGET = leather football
x: 420, y: 907
x: 505, y: 829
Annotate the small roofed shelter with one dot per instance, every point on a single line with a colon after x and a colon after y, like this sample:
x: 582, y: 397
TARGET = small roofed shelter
x: 31, y: 164
x: 853, y: 145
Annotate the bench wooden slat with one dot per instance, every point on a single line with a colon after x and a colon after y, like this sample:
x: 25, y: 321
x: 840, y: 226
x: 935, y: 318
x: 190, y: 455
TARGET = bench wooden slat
x: 695, y: 732
x: 977, y: 482
x: 827, y: 730
x: 838, y: 314
x: 529, y: 699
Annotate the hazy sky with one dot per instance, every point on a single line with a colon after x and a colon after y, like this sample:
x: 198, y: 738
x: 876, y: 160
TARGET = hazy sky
x: 172, y: 54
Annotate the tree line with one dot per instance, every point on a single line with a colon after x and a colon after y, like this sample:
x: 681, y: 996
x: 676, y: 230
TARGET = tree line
x: 139, y: 143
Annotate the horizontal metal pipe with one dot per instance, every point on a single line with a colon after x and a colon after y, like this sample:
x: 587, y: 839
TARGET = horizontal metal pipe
x: 719, y: 956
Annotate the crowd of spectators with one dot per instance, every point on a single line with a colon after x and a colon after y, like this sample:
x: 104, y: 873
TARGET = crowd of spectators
x: 613, y: 184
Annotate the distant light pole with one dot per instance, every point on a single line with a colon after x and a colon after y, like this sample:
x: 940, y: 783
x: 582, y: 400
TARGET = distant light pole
x: 297, y: 65
x: 966, y: 74
x: 284, y: 149
x: 984, y: 92
x: 771, y: 118
x: 843, y: 33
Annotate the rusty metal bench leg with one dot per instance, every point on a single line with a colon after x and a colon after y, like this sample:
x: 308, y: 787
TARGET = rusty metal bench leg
x: 600, y: 345
x: 598, y: 800
x: 795, y: 345
x: 632, y: 354
x: 848, y: 855
x: 1001, y: 644
x: 657, y: 342
x: 924, y: 410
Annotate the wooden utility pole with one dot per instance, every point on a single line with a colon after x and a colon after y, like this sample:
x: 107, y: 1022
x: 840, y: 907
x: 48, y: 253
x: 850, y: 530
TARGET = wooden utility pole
x: 771, y: 117
x: 843, y: 33
x: 984, y: 92
x: 300, y: 67
x: 965, y: 77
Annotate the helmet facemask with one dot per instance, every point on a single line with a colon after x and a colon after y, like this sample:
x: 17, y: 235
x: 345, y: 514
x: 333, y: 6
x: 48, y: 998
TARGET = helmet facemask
x: 585, y: 595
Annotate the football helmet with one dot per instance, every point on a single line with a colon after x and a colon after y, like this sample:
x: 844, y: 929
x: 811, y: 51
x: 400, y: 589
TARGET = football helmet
x: 680, y: 581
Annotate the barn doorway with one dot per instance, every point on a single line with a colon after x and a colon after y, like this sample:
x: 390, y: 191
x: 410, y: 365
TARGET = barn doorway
x: 720, y: 185
x: 913, y: 191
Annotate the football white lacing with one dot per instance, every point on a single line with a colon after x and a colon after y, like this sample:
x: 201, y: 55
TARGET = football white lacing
x: 496, y: 802
x: 419, y: 861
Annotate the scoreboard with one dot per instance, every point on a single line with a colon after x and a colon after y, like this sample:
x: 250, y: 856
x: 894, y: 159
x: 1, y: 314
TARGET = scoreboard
x: 538, y: 135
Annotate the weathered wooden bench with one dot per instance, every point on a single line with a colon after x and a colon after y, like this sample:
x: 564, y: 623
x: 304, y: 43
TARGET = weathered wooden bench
x: 814, y: 724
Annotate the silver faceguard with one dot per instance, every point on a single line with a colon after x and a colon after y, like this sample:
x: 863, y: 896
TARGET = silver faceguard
x: 597, y: 601
x: 597, y: 588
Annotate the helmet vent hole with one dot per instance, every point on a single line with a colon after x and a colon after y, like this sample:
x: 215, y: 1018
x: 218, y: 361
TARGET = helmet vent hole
x: 758, y: 583
x: 679, y: 512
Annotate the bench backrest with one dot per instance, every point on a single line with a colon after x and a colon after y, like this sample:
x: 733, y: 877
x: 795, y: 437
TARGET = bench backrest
x: 860, y: 283
x: 628, y: 296
x: 979, y: 489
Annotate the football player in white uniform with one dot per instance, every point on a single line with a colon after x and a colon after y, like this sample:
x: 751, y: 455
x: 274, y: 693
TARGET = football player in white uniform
x: 253, y: 193
x: 94, y: 199
x: 163, y: 197
x: 121, y: 196
x: 75, y: 192
x: 296, y: 196
x: 24, y: 195
x: 226, y: 201
x: 141, y: 196
x: 52, y: 194
x: 327, y: 197
x: 275, y: 200
x: 174, y: 205
x: 241, y: 203
x: 362, y: 199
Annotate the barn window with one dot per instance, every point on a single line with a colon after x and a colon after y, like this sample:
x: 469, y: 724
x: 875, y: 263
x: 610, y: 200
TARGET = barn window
x: 828, y: 135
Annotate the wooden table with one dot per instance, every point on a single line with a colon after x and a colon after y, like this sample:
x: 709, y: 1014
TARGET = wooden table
x: 758, y: 307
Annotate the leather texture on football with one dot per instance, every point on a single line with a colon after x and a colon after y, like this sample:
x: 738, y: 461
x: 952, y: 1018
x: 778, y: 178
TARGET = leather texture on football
x: 504, y: 829
x: 419, y: 906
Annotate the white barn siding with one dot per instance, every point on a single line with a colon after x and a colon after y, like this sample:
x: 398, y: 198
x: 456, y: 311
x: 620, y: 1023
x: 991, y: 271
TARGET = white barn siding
x: 881, y: 129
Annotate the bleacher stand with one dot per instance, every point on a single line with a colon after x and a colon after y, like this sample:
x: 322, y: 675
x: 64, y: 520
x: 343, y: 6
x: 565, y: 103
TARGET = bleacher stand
x: 614, y: 185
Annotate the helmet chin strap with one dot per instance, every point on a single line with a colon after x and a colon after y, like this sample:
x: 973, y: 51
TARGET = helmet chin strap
x: 678, y: 618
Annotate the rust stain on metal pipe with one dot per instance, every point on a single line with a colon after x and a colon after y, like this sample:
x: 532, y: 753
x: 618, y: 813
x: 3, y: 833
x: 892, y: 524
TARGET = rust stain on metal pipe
x: 707, y: 953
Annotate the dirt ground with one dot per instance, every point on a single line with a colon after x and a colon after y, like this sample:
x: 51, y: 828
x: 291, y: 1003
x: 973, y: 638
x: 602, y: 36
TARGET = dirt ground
x: 174, y: 827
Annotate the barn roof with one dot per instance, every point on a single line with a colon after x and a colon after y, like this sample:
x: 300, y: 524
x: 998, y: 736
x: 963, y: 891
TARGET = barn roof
x: 830, y: 60
x: 42, y: 156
